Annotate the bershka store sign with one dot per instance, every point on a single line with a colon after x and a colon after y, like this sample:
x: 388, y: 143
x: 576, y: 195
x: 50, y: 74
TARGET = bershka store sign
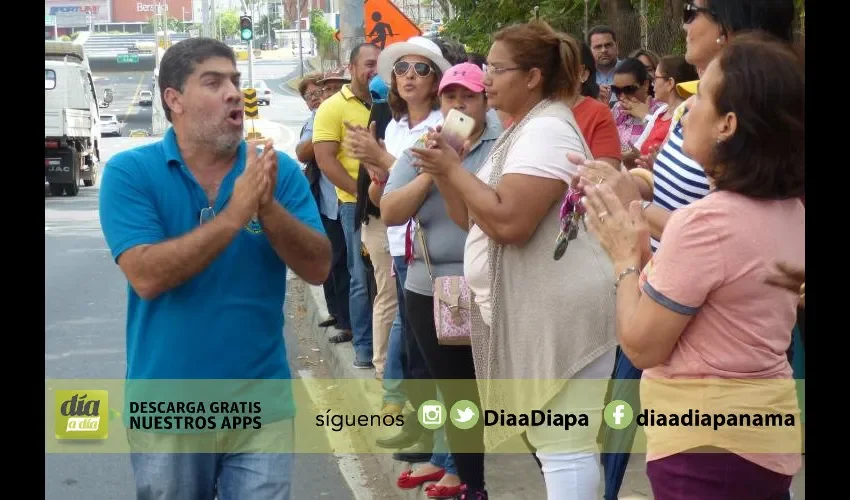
x: 134, y: 11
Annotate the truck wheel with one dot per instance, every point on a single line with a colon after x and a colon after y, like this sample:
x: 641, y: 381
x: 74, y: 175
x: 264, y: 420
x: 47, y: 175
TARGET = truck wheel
x: 72, y: 189
x: 57, y: 189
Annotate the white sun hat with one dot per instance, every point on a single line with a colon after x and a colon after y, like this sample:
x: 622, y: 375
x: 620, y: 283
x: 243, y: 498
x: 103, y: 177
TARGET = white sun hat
x: 414, y: 46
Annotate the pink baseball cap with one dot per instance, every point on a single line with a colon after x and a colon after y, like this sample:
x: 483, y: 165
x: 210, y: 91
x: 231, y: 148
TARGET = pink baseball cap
x: 466, y: 74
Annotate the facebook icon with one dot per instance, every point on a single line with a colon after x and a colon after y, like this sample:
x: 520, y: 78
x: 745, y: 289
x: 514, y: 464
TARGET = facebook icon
x: 618, y: 414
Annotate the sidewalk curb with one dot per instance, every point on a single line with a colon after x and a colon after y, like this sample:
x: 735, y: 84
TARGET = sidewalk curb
x: 340, y: 358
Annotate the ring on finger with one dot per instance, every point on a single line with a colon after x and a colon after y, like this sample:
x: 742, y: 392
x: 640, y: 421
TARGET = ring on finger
x: 602, y: 217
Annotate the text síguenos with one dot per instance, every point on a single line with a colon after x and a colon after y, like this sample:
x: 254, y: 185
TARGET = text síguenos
x: 336, y: 422
x: 536, y: 418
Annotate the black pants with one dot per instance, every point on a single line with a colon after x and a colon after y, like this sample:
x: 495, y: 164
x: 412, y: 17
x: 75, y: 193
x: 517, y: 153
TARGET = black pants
x: 336, y: 286
x: 453, y: 369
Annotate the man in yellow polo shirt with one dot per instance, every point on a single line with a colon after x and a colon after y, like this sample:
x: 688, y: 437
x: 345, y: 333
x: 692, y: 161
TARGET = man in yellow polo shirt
x: 351, y: 104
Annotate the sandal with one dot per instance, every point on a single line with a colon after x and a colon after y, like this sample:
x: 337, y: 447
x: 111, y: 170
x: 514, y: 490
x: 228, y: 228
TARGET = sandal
x: 406, y: 481
x: 343, y: 336
x: 443, y: 491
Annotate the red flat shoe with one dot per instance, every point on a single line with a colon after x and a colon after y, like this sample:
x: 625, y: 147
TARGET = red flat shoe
x: 406, y: 481
x: 442, y: 491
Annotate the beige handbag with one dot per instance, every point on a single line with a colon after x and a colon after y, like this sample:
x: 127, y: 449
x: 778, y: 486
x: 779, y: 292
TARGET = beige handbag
x: 452, y: 302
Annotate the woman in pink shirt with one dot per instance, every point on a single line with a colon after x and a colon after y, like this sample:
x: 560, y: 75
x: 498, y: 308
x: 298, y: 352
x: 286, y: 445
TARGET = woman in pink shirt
x: 701, y: 319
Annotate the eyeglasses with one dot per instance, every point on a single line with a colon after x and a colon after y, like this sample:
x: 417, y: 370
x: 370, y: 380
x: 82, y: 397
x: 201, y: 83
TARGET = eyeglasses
x: 493, y: 70
x: 628, y: 90
x: 421, y: 69
x: 207, y: 214
x: 691, y: 11
x: 313, y: 94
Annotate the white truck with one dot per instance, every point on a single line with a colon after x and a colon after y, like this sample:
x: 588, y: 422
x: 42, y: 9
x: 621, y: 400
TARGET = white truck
x: 71, y: 119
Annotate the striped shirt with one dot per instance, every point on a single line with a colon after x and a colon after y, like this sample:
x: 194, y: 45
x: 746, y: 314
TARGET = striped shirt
x: 677, y: 179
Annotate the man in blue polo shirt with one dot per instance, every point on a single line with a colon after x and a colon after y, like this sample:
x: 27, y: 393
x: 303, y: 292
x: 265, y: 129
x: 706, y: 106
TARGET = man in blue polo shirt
x: 204, y: 227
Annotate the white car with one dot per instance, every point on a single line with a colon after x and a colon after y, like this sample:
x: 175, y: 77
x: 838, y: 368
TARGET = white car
x: 264, y: 93
x: 145, y: 98
x: 109, y: 125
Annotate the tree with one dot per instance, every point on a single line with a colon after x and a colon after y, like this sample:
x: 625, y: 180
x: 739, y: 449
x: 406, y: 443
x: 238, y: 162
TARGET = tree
x: 324, y: 34
x: 229, y: 22
x: 173, y: 24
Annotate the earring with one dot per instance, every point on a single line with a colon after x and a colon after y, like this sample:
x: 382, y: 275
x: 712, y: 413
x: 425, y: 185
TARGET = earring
x: 719, y: 40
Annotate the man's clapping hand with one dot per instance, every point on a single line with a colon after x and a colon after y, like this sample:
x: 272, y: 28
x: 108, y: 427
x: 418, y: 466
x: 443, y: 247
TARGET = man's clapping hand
x: 250, y: 188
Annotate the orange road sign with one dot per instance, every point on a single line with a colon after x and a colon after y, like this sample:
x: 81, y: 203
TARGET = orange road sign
x: 337, y: 36
x: 386, y: 24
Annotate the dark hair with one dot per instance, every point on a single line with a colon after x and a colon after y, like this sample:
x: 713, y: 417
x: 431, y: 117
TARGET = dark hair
x: 589, y: 88
x: 399, y: 105
x: 773, y: 16
x: 634, y: 67
x: 652, y: 56
x: 677, y: 68
x: 309, y: 79
x: 477, y: 59
x: 180, y: 60
x: 453, y: 50
x: 355, y: 52
x: 764, y: 84
x: 556, y: 55
x: 601, y: 30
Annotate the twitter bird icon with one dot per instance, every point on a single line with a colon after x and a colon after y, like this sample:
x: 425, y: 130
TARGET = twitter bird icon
x: 464, y: 414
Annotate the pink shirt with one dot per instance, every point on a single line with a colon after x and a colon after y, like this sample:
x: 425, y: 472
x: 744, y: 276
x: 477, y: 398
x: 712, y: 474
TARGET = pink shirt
x: 713, y: 259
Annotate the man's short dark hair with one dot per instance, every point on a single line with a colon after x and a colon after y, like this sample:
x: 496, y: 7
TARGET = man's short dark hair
x: 180, y: 60
x: 601, y: 30
x: 355, y: 52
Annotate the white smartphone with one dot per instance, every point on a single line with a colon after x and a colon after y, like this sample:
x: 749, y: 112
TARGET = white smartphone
x: 457, y: 127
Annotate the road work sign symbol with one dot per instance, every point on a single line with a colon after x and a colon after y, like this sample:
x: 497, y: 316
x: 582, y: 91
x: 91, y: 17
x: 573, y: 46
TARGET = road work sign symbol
x: 386, y: 24
x: 81, y: 414
x: 252, y: 107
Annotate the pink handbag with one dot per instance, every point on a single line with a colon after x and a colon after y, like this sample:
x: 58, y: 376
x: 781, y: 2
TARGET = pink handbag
x: 452, y: 303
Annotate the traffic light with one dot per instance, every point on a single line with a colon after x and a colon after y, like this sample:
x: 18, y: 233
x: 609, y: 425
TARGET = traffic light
x: 246, y: 28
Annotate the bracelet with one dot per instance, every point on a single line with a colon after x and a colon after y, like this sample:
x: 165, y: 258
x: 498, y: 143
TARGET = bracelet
x: 626, y: 272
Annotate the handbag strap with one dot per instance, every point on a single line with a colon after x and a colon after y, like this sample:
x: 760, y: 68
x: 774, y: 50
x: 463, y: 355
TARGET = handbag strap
x: 420, y: 233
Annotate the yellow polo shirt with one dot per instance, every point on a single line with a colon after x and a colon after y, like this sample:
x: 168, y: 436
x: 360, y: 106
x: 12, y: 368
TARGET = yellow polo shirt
x: 328, y: 127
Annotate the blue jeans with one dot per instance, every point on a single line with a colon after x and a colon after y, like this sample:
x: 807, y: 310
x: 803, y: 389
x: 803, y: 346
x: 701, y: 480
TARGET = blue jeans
x: 615, y: 464
x: 440, y: 455
x: 394, y: 369
x: 172, y: 470
x: 359, y: 308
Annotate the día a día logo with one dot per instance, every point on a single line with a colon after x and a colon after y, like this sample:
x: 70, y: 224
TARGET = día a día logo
x: 254, y: 226
x: 82, y: 414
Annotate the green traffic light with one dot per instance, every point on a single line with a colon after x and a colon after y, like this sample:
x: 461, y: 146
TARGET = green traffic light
x: 247, y: 34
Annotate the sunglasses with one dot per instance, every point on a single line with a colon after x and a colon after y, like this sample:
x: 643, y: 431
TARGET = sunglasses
x: 691, y: 11
x: 628, y: 90
x: 315, y: 93
x: 206, y: 215
x: 421, y: 69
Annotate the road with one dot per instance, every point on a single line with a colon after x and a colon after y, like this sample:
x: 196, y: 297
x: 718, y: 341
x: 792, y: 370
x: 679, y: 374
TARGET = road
x: 126, y: 86
x: 85, y: 325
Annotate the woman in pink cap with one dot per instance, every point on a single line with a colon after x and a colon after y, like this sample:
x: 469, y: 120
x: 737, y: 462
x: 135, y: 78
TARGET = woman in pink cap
x: 411, y: 193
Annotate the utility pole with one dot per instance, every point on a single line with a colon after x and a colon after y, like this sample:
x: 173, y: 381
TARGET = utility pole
x: 300, y: 47
x: 205, y: 18
x: 352, y: 27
